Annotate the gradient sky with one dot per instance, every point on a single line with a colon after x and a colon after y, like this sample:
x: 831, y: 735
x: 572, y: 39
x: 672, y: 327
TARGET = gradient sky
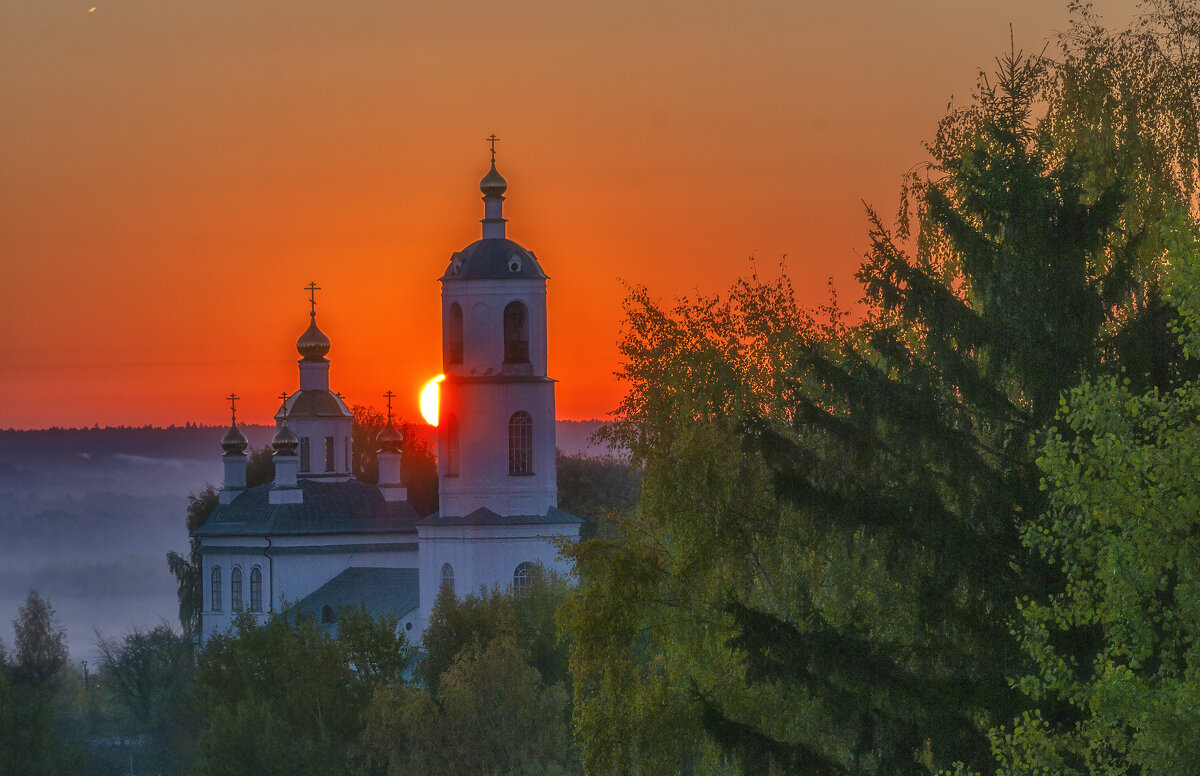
x: 173, y: 174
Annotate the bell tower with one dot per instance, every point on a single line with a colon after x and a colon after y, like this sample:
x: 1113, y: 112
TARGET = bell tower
x: 496, y: 446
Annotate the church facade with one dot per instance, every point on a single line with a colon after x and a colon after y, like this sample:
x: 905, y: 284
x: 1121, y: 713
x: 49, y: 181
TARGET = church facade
x: 316, y: 539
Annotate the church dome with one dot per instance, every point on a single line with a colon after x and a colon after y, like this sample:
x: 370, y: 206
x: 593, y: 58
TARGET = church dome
x: 234, y: 442
x: 285, y: 441
x: 390, y: 439
x: 493, y: 258
x: 493, y: 184
x: 313, y: 344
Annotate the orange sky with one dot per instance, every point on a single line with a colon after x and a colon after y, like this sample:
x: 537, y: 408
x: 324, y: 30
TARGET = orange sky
x: 172, y: 174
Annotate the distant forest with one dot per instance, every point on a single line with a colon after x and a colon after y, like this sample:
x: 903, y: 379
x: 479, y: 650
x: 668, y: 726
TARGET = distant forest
x: 188, y: 442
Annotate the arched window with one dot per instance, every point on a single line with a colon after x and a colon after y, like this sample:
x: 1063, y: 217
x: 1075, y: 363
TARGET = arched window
x: 448, y: 576
x: 256, y: 589
x: 521, y: 579
x: 454, y: 335
x: 520, y: 443
x: 304, y: 454
x: 516, y: 333
x: 215, y: 592
x: 327, y: 614
x: 451, y: 462
x: 235, y: 589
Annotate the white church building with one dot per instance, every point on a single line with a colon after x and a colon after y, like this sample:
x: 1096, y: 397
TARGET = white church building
x: 316, y: 539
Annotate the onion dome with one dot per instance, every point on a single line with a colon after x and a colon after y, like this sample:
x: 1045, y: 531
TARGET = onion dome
x: 234, y: 442
x: 313, y: 344
x: 390, y: 439
x: 493, y: 184
x: 285, y: 441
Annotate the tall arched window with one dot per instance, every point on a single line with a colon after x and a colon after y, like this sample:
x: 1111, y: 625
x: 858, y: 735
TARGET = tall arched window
x: 256, y: 589
x: 516, y: 333
x: 235, y: 589
x: 521, y: 579
x: 520, y: 443
x: 215, y: 592
x: 451, y: 462
x: 454, y: 335
x: 448, y: 576
x: 327, y: 614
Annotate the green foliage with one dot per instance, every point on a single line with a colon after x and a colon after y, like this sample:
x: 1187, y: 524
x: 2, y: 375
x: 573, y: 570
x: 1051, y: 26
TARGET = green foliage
x: 594, y: 488
x: 493, y: 695
x: 458, y: 624
x: 828, y: 547
x: 1116, y: 677
x: 186, y: 570
x: 260, y: 466
x: 285, y: 697
x: 149, y: 674
x: 41, y: 641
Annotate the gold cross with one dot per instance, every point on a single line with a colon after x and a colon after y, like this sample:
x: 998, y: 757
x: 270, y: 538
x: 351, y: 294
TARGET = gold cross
x: 233, y: 397
x: 312, y: 289
x: 284, y: 397
x: 492, y: 140
x: 389, y: 396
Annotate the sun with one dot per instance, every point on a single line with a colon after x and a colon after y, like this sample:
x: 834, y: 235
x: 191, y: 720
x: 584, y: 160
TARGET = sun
x: 429, y: 400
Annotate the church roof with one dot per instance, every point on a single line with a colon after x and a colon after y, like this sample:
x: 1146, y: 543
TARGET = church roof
x: 493, y: 258
x: 485, y: 516
x: 383, y: 591
x: 314, y: 404
x: 328, y: 508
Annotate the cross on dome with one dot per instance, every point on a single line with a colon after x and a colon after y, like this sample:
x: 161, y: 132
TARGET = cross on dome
x: 233, y: 397
x: 491, y: 139
x: 283, y: 397
x: 389, y: 396
x: 312, y: 288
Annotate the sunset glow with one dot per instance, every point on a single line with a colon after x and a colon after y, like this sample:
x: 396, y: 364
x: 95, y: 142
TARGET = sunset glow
x: 429, y: 400
x: 175, y: 173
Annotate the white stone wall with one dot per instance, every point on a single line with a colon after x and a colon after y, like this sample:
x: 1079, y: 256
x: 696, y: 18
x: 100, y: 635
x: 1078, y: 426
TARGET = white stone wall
x: 482, y: 556
x: 286, y: 575
x: 483, y: 411
x: 483, y: 303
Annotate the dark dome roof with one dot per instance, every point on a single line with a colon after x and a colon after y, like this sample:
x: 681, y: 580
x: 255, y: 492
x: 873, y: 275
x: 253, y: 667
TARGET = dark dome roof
x: 313, y: 344
x: 234, y: 442
x: 493, y: 258
x: 314, y: 404
x: 285, y: 441
x: 493, y: 184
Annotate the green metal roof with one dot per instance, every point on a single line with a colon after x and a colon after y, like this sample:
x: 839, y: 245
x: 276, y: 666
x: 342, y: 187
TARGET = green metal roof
x: 327, y: 508
x: 382, y: 591
x: 485, y: 516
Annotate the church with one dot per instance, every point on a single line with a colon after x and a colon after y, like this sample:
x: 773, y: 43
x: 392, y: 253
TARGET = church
x: 316, y: 539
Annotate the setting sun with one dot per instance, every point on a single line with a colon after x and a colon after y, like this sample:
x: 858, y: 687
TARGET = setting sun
x: 429, y: 400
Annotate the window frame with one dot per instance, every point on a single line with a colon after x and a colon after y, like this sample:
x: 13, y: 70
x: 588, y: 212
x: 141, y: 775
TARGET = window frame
x: 521, y: 578
x: 448, y: 576
x: 235, y: 589
x: 329, y: 455
x: 214, y: 591
x: 516, y: 332
x: 256, y: 589
x: 454, y: 334
x: 520, y: 444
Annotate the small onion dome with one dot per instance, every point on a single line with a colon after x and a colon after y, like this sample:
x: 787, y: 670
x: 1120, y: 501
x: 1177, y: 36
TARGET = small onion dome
x: 493, y: 184
x: 390, y: 439
x: 313, y: 344
x: 234, y: 442
x: 285, y: 441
